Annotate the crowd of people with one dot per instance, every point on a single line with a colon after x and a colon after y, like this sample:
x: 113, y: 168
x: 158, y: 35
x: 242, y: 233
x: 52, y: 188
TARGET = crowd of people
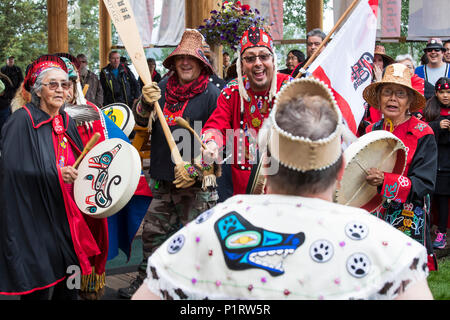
x: 203, y: 236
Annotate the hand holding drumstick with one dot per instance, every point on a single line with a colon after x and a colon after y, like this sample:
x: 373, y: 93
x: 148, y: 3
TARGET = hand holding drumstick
x: 70, y: 173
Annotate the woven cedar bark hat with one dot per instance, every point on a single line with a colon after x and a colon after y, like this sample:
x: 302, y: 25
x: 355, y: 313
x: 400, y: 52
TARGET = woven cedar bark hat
x: 380, y: 50
x: 300, y: 153
x: 190, y: 45
x: 396, y: 73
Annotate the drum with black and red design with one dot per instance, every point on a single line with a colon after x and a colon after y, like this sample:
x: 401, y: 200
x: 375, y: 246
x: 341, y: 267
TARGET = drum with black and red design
x: 108, y: 176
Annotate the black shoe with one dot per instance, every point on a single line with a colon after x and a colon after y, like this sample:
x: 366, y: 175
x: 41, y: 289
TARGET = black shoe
x: 127, y: 293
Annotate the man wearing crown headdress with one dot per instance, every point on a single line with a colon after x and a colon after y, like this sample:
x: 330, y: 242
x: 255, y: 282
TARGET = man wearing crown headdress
x: 293, y: 242
x: 187, y: 94
x: 244, y: 105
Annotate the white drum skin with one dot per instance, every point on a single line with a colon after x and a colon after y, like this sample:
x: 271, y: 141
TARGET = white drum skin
x: 378, y: 149
x: 108, y: 176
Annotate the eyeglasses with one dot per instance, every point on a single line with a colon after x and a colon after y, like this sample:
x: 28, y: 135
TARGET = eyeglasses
x: 262, y: 57
x: 53, y: 85
x: 435, y: 49
x: 387, y: 92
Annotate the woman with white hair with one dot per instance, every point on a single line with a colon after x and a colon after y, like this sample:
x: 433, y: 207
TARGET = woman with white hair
x: 44, y: 235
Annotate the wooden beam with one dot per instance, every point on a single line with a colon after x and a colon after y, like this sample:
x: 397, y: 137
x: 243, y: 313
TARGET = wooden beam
x: 58, y: 32
x: 195, y: 12
x: 105, y: 42
x: 314, y: 14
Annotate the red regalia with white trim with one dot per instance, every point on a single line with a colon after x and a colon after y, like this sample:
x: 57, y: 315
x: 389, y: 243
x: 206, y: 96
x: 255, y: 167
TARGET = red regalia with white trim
x: 243, y: 110
x: 245, y: 127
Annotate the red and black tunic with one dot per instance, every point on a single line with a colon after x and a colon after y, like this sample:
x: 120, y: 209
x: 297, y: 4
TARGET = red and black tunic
x: 42, y: 230
x: 228, y: 123
x: 408, y: 196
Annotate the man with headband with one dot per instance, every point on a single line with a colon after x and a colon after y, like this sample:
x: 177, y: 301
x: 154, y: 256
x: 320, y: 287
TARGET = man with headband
x: 244, y: 104
x: 294, y: 242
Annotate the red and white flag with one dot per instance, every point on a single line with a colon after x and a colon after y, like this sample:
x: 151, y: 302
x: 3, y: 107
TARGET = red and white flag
x: 345, y: 64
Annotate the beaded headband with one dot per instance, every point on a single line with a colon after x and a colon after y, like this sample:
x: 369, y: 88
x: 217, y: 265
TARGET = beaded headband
x: 254, y: 37
x: 300, y: 153
x: 40, y: 64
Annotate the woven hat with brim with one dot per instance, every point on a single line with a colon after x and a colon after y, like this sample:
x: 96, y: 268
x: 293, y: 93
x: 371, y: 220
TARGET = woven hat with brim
x: 396, y: 73
x: 190, y: 45
x: 380, y: 50
x: 300, y: 153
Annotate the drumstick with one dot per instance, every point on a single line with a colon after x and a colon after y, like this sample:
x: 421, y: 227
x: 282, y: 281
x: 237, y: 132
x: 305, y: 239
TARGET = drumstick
x: 183, y: 123
x: 91, y: 143
x: 361, y: 166
x: 122, y: 16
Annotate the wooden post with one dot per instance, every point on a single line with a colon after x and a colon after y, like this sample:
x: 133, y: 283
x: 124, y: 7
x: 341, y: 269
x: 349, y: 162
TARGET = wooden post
x: 314, y: 14
x: 58, y: 32
x: 105, y: 42
x: 195, y: 12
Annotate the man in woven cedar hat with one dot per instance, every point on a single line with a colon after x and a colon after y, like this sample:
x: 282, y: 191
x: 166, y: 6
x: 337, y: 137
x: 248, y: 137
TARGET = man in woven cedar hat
x: 294, y: 242
x: 244, y: 105
x: 189, y: 94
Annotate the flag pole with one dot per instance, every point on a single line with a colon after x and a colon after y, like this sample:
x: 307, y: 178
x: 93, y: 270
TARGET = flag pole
x: 327, y: 38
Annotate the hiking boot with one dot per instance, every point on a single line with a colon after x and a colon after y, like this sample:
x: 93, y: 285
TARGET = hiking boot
x: 441, y: 241
x: 127, y: 293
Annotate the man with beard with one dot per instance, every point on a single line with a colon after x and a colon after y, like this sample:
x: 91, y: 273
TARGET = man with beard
x: 189, y: 94
x: 244, y: 105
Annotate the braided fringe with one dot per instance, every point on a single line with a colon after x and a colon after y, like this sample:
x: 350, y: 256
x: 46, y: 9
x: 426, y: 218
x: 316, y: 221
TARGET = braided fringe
x: 93, y: 282
x: 209, y: 181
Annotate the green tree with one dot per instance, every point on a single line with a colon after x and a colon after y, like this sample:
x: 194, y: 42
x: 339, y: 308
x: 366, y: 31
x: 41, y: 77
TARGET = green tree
x: 84, y: 30
x: 294, y: 27
x: 24, y: 29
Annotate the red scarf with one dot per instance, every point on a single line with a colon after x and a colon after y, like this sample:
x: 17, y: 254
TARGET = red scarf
x: 445, y: 111
x: 175, y: 92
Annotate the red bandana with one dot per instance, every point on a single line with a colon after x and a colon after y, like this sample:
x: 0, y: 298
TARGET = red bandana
x: 175, y: 92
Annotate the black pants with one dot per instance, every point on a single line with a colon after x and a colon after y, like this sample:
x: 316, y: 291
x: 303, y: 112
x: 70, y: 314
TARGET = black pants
x: 442, y: 212
x: 58, y: 292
